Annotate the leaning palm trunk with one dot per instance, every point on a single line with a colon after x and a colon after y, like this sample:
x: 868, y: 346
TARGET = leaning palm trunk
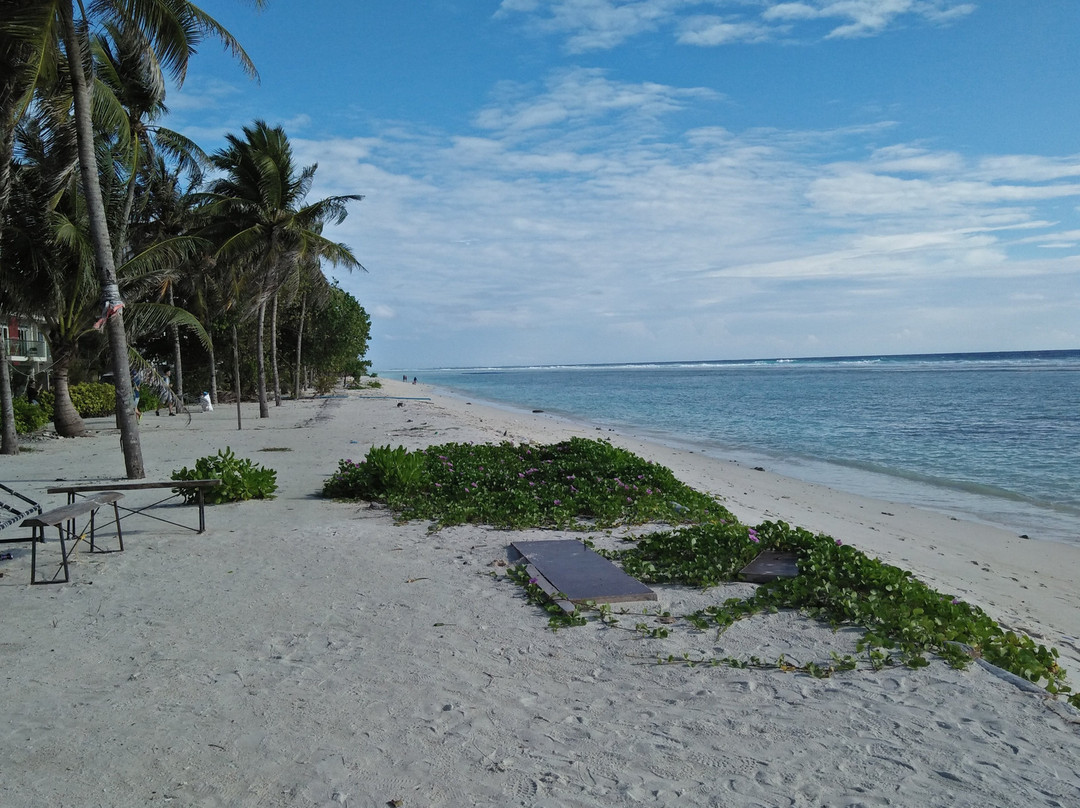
x: 10, y: 443
x: 299, y: 344
x: 66, y: 419
x: 260, y: 360
x: 99, y: 231
x: 273, y: 353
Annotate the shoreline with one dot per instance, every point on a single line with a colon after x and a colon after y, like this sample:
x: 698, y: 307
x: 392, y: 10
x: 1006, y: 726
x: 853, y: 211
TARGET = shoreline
x: 1026, y: 518
x: 307, y: 652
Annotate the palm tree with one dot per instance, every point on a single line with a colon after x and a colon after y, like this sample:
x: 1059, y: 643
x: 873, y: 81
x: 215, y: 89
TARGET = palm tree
x: 172, y: 30
x: 168, y: 209
x: 52, y: 274
x: 263, y: 226
x: 17, y: 36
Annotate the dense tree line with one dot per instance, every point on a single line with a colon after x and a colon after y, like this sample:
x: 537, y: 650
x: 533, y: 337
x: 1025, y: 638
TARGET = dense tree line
x: 135, y: 248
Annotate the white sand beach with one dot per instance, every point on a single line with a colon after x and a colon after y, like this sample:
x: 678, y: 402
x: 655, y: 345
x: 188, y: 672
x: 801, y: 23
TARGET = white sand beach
x: 303, y: 652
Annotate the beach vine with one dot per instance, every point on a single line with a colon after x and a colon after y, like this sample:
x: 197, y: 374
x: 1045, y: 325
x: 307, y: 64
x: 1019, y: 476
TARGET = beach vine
x: 587, y: 485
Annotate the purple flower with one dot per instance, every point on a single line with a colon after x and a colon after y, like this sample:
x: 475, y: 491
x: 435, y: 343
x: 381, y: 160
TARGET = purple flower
x: 558, y: 502
x: 838, y: 542
x: 753, y: 535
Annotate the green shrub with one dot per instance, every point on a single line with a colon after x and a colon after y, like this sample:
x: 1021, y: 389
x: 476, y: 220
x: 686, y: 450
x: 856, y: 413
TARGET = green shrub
x: 28, y: 417
x: 324, y: 382
x: 93, y: 399
x: 240, y: 478
x: 385, y: 474
x: 575, y: 483
x: 46, y: 398
x: 148, y: 400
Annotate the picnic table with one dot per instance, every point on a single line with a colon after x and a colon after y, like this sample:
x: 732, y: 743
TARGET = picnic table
x: 176, y: 489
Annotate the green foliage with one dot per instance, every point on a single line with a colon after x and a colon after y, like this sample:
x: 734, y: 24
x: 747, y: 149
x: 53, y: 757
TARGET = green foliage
x: 240, y: 478
x: 699, y: 555
x: 46, y: 400
x: 338, y: 335
x: 578, y: 484
x: 385, y: 474
x: 28, y: 417
x: 93, y: 399
x: 90, y: 399
x: 324, y: 382
x: 842, y: 586
x: 365, y: 383
x: 148, y: 400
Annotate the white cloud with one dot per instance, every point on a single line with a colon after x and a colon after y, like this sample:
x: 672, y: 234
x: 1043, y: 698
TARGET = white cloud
x: 866, y: 17
x: 579, y: 96
x: 709, y: 31
x: 590, y: 25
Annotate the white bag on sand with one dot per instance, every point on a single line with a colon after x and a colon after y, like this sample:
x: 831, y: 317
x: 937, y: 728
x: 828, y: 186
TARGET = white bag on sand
x: 205, y: 403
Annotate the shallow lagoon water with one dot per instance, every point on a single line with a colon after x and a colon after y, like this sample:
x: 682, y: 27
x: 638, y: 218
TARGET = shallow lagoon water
x: 993, y: 437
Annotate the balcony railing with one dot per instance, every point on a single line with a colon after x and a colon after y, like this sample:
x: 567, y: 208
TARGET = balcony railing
x: 32, y: 349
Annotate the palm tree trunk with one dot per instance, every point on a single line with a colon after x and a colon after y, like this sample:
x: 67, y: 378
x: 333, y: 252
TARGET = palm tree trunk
x: 99, y: 231
x: 178, y: 372
x: 213, y: 376
x: 10, y: 443
x: 273, y: 353
x: 260, y: 359
x: 66, y: 419
x: 299, y: 344
x: 236, y: 373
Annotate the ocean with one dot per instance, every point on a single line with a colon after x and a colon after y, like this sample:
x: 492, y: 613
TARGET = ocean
x: 993, y: 437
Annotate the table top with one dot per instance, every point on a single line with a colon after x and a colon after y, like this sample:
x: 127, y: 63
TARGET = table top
x: 131, y: 486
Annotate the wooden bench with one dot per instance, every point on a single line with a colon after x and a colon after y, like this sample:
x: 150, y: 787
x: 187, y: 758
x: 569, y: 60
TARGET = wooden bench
x: 176, y: 489
x: 64, y: 519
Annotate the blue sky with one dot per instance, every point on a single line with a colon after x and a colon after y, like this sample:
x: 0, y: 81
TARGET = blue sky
x: 572, y: 181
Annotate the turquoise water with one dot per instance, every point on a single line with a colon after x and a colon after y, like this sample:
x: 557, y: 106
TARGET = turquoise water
x: 994, y: 437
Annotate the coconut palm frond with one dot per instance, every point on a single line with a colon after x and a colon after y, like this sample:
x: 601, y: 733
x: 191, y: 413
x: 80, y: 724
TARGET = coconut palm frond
x: 144, y: 319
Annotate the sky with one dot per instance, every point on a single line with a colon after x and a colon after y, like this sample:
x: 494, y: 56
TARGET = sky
x: 586, y: 181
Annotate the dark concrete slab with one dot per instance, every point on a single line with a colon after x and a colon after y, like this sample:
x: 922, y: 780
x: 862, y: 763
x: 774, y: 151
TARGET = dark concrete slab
x: 579, y: 573
x: 770, y: 565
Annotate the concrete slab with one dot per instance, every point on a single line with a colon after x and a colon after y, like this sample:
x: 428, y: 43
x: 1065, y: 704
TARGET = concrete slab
x: 580, y: 573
